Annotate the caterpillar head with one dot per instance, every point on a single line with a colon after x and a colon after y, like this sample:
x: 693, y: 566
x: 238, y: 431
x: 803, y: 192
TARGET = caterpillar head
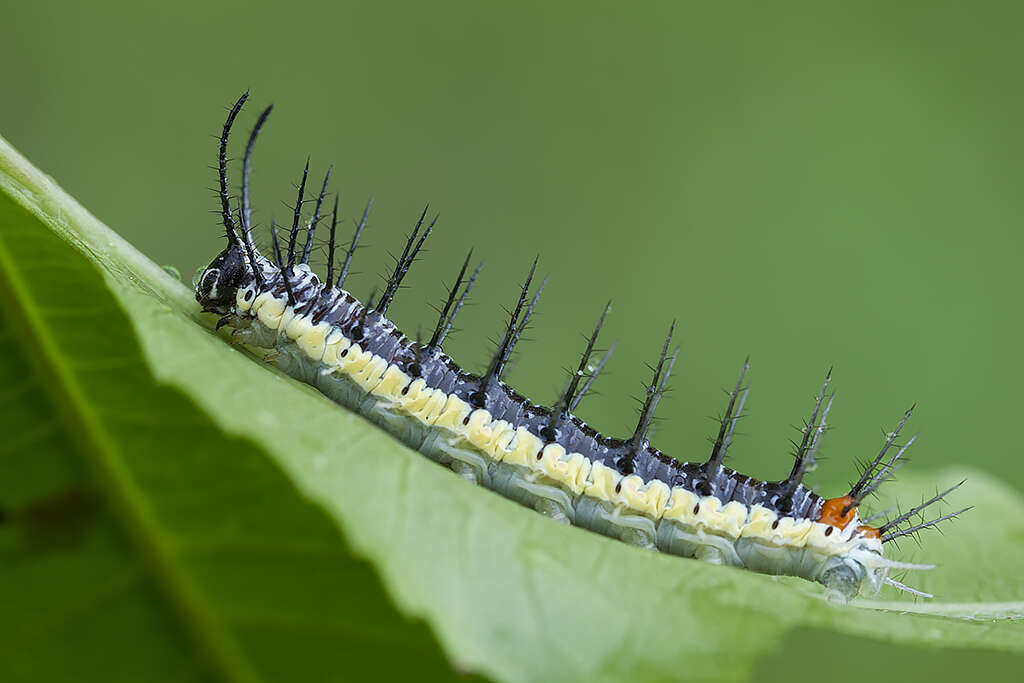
x: 217, y: 284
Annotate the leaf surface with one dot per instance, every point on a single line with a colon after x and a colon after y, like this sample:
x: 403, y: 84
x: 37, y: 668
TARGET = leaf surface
x: 138, y: 541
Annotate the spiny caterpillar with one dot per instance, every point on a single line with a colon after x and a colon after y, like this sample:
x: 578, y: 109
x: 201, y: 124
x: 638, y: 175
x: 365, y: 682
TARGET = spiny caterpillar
x: 542, y: 457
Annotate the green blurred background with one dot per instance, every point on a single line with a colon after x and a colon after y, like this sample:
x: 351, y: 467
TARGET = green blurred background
x: 809, y: 185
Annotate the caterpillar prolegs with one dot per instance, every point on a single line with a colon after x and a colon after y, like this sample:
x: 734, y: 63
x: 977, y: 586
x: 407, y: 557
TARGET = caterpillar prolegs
x: 542, y: 457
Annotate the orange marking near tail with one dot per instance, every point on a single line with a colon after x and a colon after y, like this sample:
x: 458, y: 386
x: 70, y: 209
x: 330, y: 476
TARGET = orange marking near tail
x: 832, y: 512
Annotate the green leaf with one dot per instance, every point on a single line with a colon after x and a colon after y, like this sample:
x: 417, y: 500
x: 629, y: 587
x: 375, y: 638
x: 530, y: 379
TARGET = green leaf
x: 506, y: 591
x: 138, y: 540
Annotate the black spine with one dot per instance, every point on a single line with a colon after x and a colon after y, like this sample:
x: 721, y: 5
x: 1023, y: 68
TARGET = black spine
x: 655, y: 390
x: 279, y: 263
x: 561, y: 409
x: 222, y: 171
x: 527, y: 314
x: 330, y: 247
x: 451, y: 306
x: 250, y: 251
x: 405, y: 261
x: 245, y: 213
x: 294, y: 234
x: 883, y: 475
x: 876, y: 473
x: 593, y: 376
x: 504, y: 350
x: 727, y: 425
x: 814, y: 428
x: 316, y: 217
x: 890, y: 530
x: 352, y: 245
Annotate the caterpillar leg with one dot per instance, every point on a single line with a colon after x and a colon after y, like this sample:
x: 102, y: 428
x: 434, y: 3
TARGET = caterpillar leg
x: 610, y: 520
x: 842, y: 582
x: 453, y: 451
x: 519, y: 484
x: 717, y: 550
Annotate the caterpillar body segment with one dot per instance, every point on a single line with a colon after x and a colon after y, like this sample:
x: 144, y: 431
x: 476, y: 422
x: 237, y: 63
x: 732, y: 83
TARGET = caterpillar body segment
x: 542, y: 457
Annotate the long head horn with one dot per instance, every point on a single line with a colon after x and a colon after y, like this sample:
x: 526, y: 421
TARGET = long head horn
x: 222, y: 171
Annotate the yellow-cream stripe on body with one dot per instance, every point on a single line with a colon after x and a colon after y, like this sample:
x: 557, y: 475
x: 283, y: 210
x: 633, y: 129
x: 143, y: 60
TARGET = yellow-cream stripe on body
x: 497, y: 440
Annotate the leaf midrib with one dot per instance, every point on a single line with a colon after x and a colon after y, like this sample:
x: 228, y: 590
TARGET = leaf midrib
x: 99, y: 449
x: 1004, y: 610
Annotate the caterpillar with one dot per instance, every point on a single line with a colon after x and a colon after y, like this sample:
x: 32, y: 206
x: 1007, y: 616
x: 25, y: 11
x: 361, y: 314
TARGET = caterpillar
x: 543, y: 457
